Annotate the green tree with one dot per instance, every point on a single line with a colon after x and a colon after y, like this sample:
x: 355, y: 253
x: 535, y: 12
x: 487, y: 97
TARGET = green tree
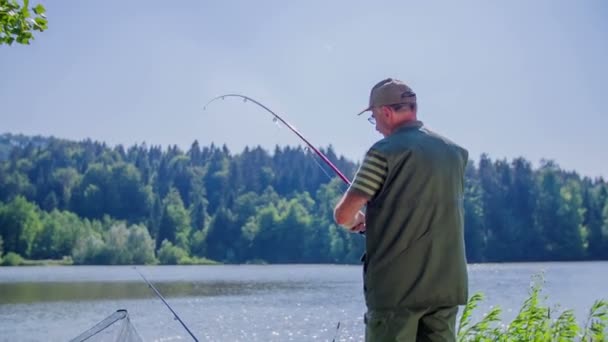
x: 521, y: 197
x: 90, y: 199
x: 132, y: 245
x: 168, y: 254
x: 605, y: 231
x: 114, y: 189
x: 175, y: 222
x: 559, y: 214
x: 256, y: 160
x: 292, y: 231
x: 594, y: 199
x: 265, y: 240
x: 90, y: 249
x: 474, y: 218
x: 181, y: 176
x: 494, y: 210
x: 19, y: 225
x: 127, y: 197
x: 279, y: 208
x: 216, y: 178
x: 141, y: 245
x: 198, y: 214
x: 17, y: 22
x: 116, y: 245
x: 333, y: 242
x: 337, y: 244
x: 58, y: 236
x: 14, y: 183
x: 63, y: 181
x: 223, y: 232
x: 200, y: 220
x: 571, y: 243
x: 355, y: 245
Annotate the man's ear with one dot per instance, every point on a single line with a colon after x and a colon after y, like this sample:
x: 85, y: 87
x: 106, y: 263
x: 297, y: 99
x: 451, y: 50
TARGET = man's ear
x: 387, y: 111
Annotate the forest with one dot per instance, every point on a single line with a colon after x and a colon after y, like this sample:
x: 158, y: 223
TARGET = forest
x: 88, y: 203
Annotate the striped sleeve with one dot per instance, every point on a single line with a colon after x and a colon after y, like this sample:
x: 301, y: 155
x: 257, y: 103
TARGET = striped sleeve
x: 371, y: 175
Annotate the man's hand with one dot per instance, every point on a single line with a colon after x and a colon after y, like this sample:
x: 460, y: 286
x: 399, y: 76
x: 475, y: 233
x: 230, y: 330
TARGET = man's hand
x: 348, y: 211
x: 359, y: 223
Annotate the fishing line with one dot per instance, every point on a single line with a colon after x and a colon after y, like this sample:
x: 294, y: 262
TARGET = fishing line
x: 276, y: 119
x: 336, y: 334
x: 167, y: 304
x: 314, y: 158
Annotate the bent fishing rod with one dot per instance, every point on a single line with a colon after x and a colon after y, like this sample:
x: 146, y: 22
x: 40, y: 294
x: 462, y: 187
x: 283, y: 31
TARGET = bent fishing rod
x: 167, y: 304
x: 292, y: 128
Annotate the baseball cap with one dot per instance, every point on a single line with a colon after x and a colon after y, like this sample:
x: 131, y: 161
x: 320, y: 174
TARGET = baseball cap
x: 389, y: 92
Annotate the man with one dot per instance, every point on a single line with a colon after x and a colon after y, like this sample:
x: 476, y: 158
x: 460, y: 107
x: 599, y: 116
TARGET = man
x: 411, y: 182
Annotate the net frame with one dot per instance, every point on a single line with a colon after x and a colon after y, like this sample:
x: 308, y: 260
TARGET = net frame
x: 126, y: 332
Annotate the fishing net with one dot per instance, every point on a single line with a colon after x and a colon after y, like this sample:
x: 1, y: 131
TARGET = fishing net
x: 115, y: 328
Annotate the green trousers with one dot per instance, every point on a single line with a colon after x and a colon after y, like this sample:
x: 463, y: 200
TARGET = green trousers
x: 432, y: 324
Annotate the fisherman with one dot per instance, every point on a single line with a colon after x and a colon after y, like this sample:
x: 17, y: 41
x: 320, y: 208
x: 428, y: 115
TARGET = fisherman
x: 411, y: 185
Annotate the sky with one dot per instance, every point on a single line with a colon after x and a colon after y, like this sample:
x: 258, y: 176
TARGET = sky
x: 510, y: 78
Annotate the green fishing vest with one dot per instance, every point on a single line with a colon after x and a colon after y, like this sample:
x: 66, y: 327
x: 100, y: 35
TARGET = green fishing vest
x: 415, y: 253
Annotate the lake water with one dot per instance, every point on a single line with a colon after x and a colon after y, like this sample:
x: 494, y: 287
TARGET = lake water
x: 248, y: 302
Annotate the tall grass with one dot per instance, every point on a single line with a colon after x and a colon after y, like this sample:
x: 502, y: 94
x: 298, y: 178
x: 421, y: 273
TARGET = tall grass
x: 535, y: 322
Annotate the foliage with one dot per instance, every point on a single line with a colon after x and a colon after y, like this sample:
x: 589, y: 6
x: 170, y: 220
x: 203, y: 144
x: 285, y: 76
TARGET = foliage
x: 19, y: 225
x: 12, y: 259
x: 175, y: 222
x: 196, y: 261
x: 140, y: 245
x: 118, y: 245
x: 17, y: 22
x: 60, y: 231
x: 90, y: 249
x: 65, y: 261
x: 131, y: 245
x: 534, y: 322
x: 61, y: 198
x: 168, y: 254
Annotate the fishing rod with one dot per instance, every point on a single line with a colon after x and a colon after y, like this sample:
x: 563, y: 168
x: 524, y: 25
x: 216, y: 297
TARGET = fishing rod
x: 293, y: 129
x: 336, y: 334
x: 276, y: 118
x: 167, y: 304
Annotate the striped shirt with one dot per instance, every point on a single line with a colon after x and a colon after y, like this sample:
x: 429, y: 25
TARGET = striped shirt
x: 371, y: 175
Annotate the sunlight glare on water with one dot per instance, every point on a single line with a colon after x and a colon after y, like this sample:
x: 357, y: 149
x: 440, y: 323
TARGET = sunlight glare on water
x: 248, y: 303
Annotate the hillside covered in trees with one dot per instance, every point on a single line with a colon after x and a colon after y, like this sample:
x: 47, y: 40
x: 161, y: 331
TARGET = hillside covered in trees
x: 95, y: 204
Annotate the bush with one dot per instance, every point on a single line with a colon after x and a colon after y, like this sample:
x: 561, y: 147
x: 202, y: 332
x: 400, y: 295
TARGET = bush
x: 117, y: 246
x: 534, y: 322
x: 65, y: 261
x: 196, y: 261
x: 12, y: 259
x: 168, y: 254
x: 140, y: 245
x: 89, y: 249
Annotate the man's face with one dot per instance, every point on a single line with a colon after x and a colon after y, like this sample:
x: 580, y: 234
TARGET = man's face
x: 380, y: 116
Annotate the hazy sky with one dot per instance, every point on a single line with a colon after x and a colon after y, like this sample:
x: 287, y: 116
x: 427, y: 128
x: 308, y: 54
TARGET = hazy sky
x: 508, y: 78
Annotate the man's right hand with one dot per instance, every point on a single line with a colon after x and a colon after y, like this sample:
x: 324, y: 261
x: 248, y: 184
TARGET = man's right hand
x: 359, y: 226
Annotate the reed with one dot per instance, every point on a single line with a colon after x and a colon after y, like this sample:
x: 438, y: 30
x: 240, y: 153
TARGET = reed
x: 535, y: 321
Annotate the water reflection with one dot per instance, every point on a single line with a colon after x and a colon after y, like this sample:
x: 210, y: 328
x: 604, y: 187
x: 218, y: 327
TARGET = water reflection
x: 252, y: 303
x: 32, y: 292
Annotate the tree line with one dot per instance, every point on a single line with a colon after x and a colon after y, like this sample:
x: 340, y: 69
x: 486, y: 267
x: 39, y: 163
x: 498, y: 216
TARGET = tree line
x: 97, y: 204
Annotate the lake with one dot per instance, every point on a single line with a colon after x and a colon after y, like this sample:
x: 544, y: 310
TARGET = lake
x: 249, y: 302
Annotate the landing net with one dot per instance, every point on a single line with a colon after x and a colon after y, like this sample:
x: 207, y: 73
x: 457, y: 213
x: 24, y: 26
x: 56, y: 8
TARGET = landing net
x: 115, y: 328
